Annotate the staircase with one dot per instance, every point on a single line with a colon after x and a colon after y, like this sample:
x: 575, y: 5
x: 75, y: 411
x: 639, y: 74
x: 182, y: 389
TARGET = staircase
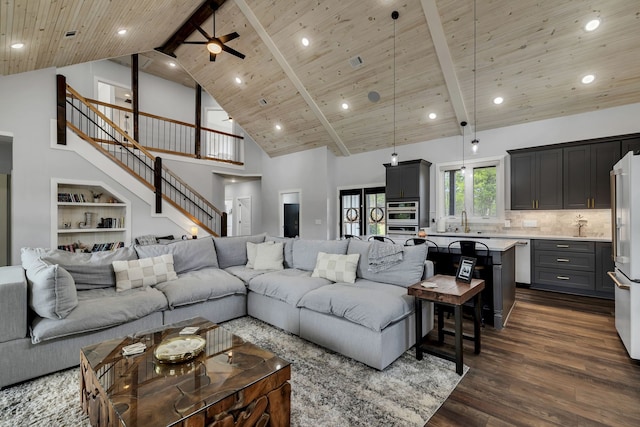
x: 94, y: 127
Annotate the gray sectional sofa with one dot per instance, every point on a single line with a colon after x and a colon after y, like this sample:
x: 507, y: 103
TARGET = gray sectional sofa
x: 57, y: 302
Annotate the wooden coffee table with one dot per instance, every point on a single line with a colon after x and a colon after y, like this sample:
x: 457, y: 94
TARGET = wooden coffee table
x: 447, y: 292
x: 230, y: 380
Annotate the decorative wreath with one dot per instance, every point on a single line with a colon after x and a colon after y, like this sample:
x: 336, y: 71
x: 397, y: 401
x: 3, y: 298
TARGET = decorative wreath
x: 352, y: 215
x: 376, y: 214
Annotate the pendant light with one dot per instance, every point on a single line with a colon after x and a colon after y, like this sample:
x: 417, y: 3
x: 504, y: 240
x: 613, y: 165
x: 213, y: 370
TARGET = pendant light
x: 463, y: 168
x: 394, y: 155
x: 475, y: 141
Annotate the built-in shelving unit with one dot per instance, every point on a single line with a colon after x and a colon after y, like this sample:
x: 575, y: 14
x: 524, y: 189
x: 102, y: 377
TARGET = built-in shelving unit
x: 80, y: 221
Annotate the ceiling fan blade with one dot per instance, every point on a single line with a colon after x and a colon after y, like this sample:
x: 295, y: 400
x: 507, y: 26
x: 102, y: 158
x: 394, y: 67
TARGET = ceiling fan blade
x: 186, y: 42
x: 232, y: 51
x: 212, y: 57
x: 228, y: 37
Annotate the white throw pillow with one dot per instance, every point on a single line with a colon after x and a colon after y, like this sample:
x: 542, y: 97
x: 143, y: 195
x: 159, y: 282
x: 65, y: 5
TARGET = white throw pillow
x: 337, y: 268
x: 252, y: 250
x: 269, y: 256
x: 143, y: 272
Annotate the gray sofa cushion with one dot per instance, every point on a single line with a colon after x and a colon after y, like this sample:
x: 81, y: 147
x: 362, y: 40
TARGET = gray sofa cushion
x: 100, y: 309
x: 89, y: 270
x: 405, y: 273
x: 288, y: 248
x: 245, y: 274
x: 233, y: 250
x: 288, y: 285
x: 201, y: 285
x: 305, y: 252
x: 370, y: 304
x: 188, y: 255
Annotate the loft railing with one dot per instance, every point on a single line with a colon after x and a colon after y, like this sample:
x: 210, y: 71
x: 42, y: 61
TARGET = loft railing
x: 92, y: 125
x: 160, y: 134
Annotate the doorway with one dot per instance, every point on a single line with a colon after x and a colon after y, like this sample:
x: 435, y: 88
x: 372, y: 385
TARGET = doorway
x: 290, y: 213
x: 291, y: 219
x: 244, y: 216
x: 6, y: 164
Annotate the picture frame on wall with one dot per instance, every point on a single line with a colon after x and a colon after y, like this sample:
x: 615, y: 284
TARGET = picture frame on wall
x: 465, y: 269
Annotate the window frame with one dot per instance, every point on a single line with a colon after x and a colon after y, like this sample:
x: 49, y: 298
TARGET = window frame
x: 498, y: 162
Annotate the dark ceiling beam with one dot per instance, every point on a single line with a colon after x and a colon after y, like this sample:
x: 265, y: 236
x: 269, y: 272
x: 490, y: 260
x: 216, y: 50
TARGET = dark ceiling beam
x: 198, y: 17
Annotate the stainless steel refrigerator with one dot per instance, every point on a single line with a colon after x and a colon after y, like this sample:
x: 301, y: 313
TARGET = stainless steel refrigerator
x: 625, y: 220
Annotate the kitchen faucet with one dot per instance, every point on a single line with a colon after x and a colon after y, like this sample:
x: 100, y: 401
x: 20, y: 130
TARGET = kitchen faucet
x: 465, y: 222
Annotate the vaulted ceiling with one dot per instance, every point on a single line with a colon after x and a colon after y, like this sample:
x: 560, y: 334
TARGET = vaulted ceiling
x: 533, y: 53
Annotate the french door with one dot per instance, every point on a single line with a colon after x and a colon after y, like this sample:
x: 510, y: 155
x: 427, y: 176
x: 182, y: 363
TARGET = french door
x: 362, y: 211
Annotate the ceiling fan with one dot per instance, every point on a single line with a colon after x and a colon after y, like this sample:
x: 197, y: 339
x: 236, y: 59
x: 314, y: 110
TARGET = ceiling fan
x: 216, y: 45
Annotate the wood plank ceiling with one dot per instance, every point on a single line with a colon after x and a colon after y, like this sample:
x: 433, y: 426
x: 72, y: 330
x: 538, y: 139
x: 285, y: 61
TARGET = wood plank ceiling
x: 531, y: 52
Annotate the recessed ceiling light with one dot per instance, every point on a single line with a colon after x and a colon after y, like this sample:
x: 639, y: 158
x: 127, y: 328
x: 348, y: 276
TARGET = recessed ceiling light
x: 238, y: 80
x: 127, y: 95
x: 498, y: 100
x: 172, y: 64
x: 304, y: 41
x: 592, y: 25
x: 278, y: 127
x: 122, y: 32
x: 589, y: 78
x: 433, y: 116
x: 345, y: 106
x: 17, y: 46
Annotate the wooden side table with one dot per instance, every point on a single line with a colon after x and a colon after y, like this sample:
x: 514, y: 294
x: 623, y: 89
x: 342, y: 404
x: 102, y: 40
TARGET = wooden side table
x: 445, y: 290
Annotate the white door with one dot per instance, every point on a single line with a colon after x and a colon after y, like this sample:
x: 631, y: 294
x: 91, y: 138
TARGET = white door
x: 244, y: 216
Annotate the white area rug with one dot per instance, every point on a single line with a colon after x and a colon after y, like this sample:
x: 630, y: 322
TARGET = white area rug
x: 327, y: 389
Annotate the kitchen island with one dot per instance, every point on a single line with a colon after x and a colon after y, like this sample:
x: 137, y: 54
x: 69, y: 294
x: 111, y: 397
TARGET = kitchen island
x: 500, y: 292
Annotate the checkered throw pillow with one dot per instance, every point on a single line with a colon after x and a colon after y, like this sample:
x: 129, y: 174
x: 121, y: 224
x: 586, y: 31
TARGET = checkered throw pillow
x: 337, y: 268
x: 143, y: 272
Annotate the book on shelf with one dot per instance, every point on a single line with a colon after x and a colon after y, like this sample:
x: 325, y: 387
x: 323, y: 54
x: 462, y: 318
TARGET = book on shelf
x: 71, y: 198
x: 101, y: 247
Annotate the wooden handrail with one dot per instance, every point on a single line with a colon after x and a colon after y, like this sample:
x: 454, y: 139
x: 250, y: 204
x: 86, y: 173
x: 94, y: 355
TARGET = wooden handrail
x: 153, y: 116
x: 112, y: 124
x: 188, y: 187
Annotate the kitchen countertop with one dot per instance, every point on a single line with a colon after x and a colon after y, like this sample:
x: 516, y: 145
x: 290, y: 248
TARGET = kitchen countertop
x: 494, y: 235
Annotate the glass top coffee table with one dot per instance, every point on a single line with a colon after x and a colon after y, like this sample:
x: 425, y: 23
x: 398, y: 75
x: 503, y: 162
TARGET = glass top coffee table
x: 229, y: 380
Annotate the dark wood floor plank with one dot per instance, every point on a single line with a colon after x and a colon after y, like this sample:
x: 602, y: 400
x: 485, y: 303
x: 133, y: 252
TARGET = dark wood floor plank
x: 559, y: 362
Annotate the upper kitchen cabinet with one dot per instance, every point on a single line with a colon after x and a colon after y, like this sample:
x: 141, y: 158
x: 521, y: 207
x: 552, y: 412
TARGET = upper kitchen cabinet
x: 571, y: 175
x: 586, y: 175
x: 630, y: 144
x: 409, y: 180
x: 536, y: 178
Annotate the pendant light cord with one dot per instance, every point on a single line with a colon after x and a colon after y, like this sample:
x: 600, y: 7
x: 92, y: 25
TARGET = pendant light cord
x: 475, y: 71
x: 394, y: 83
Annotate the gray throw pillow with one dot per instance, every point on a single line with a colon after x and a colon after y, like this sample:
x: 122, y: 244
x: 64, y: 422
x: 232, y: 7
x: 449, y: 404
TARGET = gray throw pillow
x: 188, y: 255
x: 52, y: 291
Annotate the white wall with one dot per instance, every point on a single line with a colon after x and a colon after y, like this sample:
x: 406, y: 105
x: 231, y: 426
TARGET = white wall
x: 306, y: 172
x: 251, y: 189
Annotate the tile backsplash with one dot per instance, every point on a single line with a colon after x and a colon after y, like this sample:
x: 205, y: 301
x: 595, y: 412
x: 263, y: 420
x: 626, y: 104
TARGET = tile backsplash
x: 554, y: 223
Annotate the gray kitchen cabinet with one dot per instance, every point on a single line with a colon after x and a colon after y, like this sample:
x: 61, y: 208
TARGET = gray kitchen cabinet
x: 571, y: 266
x: 536, y: 178
x: 604, y: 263
x: 409, y: 180
x: 630, y: 144
x: 586, y: 175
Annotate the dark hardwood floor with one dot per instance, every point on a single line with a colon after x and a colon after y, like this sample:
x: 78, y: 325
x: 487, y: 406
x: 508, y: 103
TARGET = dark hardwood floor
x: 559, y: 362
